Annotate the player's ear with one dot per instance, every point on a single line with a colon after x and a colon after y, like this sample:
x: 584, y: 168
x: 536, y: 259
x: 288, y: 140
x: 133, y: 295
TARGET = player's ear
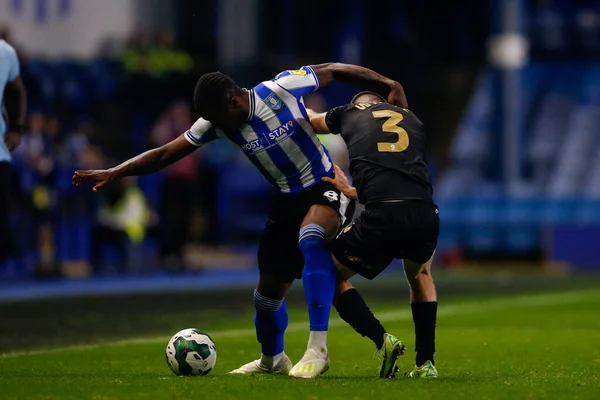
x: 234, y: 103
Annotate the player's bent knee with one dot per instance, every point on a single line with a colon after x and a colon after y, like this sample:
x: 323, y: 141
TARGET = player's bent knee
x: 273, y: 286
x: 343, y: 272
x: 413, y: 269
x: 343, y: 285
x: 325, y: 217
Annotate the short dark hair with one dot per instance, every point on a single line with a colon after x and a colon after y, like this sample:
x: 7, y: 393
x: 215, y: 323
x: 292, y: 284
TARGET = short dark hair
x: 214, y: 87
x: 368, y: 93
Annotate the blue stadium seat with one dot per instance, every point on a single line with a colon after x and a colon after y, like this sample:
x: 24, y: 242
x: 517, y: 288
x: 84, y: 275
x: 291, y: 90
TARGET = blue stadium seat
x: 451, y: 222
x: 521, y: 230
x: 483, y: 218
x: 104, y: 75
x: 562, y: 104
x: 73, y: 84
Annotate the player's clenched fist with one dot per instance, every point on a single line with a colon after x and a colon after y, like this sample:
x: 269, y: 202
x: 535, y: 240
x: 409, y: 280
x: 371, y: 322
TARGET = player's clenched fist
x: 99, y: 176
x: 397, y: 97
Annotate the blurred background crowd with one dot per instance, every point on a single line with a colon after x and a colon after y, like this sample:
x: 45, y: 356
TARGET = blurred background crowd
x: 509, y: 91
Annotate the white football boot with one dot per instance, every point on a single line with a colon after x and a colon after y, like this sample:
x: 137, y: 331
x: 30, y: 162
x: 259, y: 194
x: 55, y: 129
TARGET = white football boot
x: 313, y: 364
x: 282, y: 365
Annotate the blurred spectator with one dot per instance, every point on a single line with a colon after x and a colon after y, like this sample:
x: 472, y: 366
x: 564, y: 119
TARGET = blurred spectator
x: 37, y: 156
x: 78, y: 148
x: 180, y: 191
x: 135, y: 54
x: 157, y: 72
x: 165, y: 58
x: 122, y: 221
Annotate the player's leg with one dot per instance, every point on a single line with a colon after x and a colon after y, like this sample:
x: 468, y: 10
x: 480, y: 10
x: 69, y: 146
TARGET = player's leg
x: 319, y: 279
x: 352, y: 308
x: 5, y: 191
x: 354, y: 311
x: 418, y: 256
x: 271, y: 320
x: 423, y: 302
x: 362, y: 248
x: 347, y: 251
x: 279, y: 262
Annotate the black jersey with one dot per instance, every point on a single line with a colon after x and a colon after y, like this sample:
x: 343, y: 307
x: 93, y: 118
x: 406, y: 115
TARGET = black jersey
x: 386, y: 145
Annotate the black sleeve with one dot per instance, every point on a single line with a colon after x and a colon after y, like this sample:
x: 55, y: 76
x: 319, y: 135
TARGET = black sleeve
x: 333, y: 119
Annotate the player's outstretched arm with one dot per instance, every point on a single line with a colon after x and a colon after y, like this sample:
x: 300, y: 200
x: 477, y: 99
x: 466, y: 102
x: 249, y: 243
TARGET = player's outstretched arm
x: 146, y: 163
x: 340, y: 181
x: 354, y: 74
x: 317, y: 120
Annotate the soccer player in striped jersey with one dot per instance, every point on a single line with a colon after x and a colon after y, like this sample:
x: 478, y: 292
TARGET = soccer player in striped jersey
x: 270, y: 124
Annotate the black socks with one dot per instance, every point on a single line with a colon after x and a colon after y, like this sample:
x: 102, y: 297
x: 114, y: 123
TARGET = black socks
x: 424, y: 317
x: 352, y: 308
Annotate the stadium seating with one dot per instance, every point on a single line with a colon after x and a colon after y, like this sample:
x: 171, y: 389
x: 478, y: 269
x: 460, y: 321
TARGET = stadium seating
x: 562, y: 110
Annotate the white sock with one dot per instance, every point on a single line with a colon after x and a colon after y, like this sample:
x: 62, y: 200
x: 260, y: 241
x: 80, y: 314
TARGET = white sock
x: 271, y: 361
x: 318, y: 341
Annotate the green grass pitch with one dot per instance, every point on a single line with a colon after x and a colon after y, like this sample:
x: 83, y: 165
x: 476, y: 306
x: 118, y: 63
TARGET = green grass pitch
x: 517, y: 346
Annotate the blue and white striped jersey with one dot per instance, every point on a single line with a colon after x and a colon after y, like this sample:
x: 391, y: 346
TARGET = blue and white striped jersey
x: 278, y: 137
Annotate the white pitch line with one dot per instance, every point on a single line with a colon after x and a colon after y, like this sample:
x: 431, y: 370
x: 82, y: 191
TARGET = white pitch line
x: 470, y: 307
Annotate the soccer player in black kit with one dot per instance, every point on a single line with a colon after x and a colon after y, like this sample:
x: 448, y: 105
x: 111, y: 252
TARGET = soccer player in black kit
x: 391, y: 177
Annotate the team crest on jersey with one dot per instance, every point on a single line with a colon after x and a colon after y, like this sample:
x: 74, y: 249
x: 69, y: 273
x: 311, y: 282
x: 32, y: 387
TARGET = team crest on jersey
x: 274, y: 102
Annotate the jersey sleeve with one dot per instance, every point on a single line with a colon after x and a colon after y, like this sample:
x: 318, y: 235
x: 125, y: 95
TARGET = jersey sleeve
x: 13, y: 64
x: 201, y: 133
x: 333, y: 118
x: 298, y: 82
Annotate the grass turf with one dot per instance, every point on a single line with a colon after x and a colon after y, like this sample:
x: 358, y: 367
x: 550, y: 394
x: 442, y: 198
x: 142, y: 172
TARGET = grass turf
x: 519, y: 346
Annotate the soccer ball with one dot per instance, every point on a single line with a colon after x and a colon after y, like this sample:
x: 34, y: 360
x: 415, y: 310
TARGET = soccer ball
x: 191, y: 352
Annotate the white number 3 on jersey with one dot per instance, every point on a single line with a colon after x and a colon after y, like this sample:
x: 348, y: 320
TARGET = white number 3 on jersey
x: 331, y: 195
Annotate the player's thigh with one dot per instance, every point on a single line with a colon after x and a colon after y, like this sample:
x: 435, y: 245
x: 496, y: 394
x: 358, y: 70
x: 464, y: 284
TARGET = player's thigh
x: 329, y: 208
x: 279, y: 256
x: 419, y: 251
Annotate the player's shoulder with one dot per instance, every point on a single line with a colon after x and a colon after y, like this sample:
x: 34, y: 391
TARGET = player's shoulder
x: 387, y: 106
x: 301, y: 72
x: 343, y: 110
x: 366, y: 109
x: 267, y: 98
x: 298, y: 82
x: 405, y: 112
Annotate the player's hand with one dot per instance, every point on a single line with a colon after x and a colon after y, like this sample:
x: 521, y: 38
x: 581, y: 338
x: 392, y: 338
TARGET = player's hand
x: 340, y: 181
x: 98, y: 176
x: 397, y: 97
x: 12, y: 140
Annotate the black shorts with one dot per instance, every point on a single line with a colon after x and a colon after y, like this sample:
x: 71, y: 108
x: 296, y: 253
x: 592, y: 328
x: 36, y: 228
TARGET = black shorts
x: 278, y: 252
x: 388, y: 231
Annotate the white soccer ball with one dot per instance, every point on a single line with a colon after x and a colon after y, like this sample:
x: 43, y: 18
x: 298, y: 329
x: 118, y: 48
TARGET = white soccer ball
x: 191, y: 352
